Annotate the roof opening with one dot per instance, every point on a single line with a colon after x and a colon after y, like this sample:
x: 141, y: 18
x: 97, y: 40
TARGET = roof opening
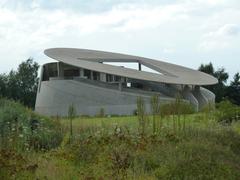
x: 133, y: 65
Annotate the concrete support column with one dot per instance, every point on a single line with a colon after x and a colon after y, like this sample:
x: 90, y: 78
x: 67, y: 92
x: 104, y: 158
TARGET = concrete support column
x: 182, y: 87
x: 103, y: 77
x: 139, y: 66
x: 60, y: 69
x: 120, y: 84
x: 91, y: 75
x: 81, y: 72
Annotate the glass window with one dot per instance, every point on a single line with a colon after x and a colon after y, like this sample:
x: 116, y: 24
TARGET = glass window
x: 87, y: 73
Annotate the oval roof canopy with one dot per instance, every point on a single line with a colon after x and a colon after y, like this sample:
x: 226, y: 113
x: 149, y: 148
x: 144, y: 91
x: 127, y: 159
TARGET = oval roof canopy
x: 92, y: 60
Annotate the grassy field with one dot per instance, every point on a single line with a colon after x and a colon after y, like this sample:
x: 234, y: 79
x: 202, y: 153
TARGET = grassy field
x: 193, y: 146
x: 112, y: 149
x: 169, y: 123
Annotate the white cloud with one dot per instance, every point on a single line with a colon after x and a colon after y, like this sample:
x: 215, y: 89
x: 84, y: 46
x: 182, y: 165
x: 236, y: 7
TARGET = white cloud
x: 226, y: 30
x: 36, y: 28
x: 136, y: 24
x: 168, y: 50
x: 34, y: 4
x: 221, y: 38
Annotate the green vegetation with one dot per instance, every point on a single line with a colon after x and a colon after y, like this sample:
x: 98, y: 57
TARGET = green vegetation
x: 172, y: 143
x: 221, y: 89
x: 21, y: 85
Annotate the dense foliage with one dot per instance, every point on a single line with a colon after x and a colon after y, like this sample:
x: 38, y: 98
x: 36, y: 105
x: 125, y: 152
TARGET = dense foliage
x: 176, y: 145
x: 21, y: 85
x: 122, y: 155
x: 21, y: 129
x: 221, y: 89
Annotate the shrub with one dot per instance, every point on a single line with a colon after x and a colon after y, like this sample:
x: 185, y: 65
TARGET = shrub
x: 48, y: 134
x: 22, y: 129
x: 176, y: 107
x: 15, y: 165
x: 227, y: 112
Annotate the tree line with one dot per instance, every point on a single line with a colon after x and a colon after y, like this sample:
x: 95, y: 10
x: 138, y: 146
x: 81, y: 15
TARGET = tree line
x: 222, y: 89
x: 21, y: 84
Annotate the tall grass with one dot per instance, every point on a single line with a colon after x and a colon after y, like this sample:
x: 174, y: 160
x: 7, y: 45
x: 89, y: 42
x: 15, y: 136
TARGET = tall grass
x: 142, y: 117
x: 127, y: 147
x: 155, y: 108
x: 71, y: 115
x: 22, y: 130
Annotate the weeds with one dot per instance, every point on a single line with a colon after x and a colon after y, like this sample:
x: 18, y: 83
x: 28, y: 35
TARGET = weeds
x: 119, y: 147
x: 71, y: 115
x: 155, y: 108
x: 141, y: 113
x: 23, y: 130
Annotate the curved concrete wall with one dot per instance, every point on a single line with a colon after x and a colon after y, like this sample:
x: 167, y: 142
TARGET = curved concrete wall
x: 208, y: 94
x: 188, y: 95
x: 202, y: 100
x: 55, y: 96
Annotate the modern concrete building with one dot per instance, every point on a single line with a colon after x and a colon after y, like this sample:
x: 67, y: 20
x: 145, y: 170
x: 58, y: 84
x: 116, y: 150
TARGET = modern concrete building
x: 84, y: 78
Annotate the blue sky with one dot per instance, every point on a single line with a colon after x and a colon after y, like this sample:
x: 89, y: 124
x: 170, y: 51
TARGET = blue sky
x: 185, y: 32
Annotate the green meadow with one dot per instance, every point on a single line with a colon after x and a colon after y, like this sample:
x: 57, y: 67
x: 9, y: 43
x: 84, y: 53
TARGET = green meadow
x: 173, y: 144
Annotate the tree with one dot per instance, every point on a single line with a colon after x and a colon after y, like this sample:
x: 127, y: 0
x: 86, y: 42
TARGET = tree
x: 207, y: 68
x: 221, y: 75
x: 13, y: 90
x: 21, y: 85
x: 27, y: 82
x: 236, y: 80
x: 218, y: 89
x: 233, y: 91
x: 3, y: 85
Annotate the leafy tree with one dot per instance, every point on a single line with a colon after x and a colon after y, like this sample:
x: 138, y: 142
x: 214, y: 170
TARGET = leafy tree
x: 21, y: 85
x: 233, y: 91
x: 27, y: 82
x: 236, y: 80
x: 219, y: 89
x: 3, y: 85
x: 207, y: 68
x: 13, y: 91
x: 221, y: 75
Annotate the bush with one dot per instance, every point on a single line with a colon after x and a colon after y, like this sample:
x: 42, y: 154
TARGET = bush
x: 227, y: 112
x: 22, y: 129
x: 15, y: 165
x: 176, y: 108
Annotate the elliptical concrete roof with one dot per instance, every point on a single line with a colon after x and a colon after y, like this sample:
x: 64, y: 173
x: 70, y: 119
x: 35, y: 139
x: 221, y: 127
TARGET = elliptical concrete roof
x: 91, y: 59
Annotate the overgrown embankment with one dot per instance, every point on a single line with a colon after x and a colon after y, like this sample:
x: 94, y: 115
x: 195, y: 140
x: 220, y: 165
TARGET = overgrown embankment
x: 166, y: 145
x: 23, y: 132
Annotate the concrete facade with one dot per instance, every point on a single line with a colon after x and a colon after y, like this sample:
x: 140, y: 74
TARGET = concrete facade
x: 70, y: 82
